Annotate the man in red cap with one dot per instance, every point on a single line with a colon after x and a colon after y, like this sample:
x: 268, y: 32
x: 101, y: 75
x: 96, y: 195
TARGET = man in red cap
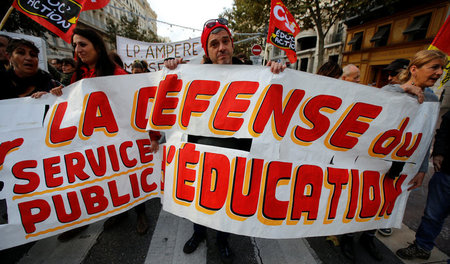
x: 218, y: 46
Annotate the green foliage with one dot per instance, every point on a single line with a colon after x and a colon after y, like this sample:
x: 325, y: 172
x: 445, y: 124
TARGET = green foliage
x: 129, y: 29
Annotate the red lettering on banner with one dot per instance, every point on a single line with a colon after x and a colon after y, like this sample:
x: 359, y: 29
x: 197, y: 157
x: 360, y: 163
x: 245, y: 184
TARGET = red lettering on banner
x: 33, y: 178
x: 134, y: 185
x: 142, y: 97
x: 394, y: 141
x: 336, y: 179
x: 311, y: 115
x: 146, y: 186
x: 30, y: 219
x: 306, y: 191
x: 75, y: 164
x: 352, y: 124
x: 94, y: 199
x: 246, y: 184
x: 187, y: 158
x: 370, y: 195
x: 271, y: 104
x: 117, y: 199
x: 98, y: 168
x: 74, y: 204
x: 353, y: 195
x: 196, y: 100
x: 391, y: 190
x: 98, y: 115
x: 113, y: 157
x: 50, y: 170
x: 124, y: 155
x: 8, y: 147
x: 57, y: 136
x: 215, y: 173
x: 278, y: 173
x: 145, y: 152
x: 233, y: 102
x: 166, y: 102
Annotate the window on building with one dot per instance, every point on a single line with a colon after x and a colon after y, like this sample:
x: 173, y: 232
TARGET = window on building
x: 418, y: 28
x: 334, y: 58
x: 306, y: 43
x: 356, y: 41
x: 304, y: 64
x: 381, y: 36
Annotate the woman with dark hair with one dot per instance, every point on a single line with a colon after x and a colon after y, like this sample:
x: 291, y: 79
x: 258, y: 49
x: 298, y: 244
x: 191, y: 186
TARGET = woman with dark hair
x: 24, y: 78
x: 330, y: 69
x: 92, y: 57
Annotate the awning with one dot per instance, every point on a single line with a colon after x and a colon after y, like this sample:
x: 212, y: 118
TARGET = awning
x: 418, y: 24
x: 382, y: 33
x: 355, y: 39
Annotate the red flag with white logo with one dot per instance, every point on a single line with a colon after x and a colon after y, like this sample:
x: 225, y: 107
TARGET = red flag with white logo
x: 95, y: 4
x: 282, y: 29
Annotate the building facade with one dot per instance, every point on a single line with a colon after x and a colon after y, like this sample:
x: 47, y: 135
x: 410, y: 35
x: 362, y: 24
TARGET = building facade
x: 389, y: 33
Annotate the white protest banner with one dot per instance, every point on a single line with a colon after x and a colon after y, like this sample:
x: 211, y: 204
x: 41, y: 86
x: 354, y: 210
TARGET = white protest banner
x: 311, y: 158
x: 130, y: 50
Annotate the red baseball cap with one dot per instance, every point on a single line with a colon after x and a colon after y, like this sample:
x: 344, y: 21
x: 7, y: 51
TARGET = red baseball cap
x: 209, y: 26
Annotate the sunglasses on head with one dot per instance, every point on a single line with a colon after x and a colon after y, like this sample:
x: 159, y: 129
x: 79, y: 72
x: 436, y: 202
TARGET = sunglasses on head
x: 212, y: 22
x: 393, y: 73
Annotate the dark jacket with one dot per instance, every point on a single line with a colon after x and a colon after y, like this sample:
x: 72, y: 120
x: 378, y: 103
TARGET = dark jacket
x: 442, y: 142
x: 13, y: 86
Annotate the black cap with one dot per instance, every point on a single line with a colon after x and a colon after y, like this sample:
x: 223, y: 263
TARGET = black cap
x: 397, y: 65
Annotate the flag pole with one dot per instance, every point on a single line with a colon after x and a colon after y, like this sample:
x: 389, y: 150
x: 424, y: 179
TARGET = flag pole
x: 6, y: 17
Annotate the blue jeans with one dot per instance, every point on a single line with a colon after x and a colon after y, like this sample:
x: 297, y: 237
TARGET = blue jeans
x: 436, y: 210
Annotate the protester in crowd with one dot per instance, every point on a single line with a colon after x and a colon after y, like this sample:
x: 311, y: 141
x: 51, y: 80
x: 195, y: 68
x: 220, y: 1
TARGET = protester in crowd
x: 437, y: 207
x: 24, y: 78
x: 394, y: 68
x: 218, y: 46
x: 68, y: 68
x: 137, y: 67
x: 423, y: 71
x: 57, y: 64
x: 93, y: 61
x: 351, y: 73
x: 4, y: 41
x: 330, y: 69
x: 145, y: 65
x: 92, y: 57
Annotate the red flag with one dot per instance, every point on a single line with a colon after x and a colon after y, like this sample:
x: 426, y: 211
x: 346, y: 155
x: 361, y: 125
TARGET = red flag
x: 442, y: 39
x: 441, y: 42
x: 60, y: 17
x: 282, y: 29
x: 95, y: 4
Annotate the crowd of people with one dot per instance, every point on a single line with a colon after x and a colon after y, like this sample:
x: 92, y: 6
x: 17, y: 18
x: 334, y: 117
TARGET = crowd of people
x: 22, y: 77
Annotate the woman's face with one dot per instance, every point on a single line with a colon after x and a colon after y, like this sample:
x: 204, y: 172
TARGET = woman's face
x: 25, y: 61
x: 428, y: 74
x: 85, y: 50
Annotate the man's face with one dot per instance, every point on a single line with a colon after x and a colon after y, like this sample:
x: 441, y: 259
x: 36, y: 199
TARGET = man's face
x: 393, y: 77
x: 353, y: 76
x: 220, y: 48
x: 55, y: 64
x: 3, y: 45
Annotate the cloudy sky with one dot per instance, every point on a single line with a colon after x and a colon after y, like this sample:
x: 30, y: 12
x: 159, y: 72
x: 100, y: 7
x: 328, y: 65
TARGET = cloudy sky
x: 188, y: 13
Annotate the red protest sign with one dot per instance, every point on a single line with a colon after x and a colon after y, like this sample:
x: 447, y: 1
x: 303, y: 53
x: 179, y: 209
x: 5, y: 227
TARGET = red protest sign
x: 59, y: 17
x: 282, y: 29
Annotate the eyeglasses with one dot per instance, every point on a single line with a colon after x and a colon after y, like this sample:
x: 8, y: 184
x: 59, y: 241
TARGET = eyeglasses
x: 212, y: 22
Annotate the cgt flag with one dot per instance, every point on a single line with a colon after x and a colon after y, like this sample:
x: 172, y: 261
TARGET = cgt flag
x: 441, y: 42
x: 282, y: 29
x: 95, y: 4
x: 60, y: 17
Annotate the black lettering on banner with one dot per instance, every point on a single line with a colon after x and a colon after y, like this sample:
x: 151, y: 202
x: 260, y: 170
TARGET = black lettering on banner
x: 283, y: 39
